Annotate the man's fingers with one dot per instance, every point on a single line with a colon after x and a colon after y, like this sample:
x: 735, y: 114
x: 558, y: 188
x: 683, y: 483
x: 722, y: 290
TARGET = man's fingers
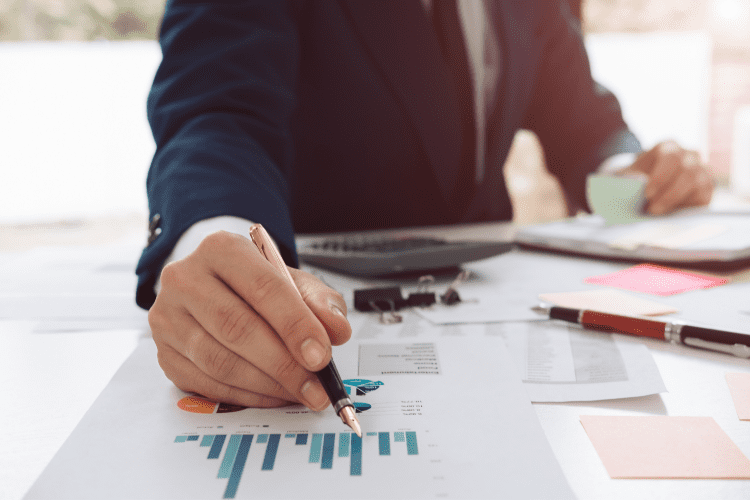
x: 241, y: 330
x: 327, y: 304
x: 675, y: 195
x: 174, y: 327
x: 666, y: 168
x: 218, y: 362
x: 704, y: 189
x: 183, y: 373
x: 681, y: 188
x: 270, y: 294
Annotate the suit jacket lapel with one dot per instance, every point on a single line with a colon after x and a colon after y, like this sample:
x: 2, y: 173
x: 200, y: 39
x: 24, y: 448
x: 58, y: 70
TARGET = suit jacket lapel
x: 404, y: 45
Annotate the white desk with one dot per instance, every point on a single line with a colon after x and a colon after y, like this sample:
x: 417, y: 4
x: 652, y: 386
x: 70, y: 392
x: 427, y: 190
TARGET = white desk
x: 48, y: 381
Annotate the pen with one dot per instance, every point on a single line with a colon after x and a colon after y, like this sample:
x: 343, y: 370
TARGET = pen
x: 329, y: 376
x: 671, y: 331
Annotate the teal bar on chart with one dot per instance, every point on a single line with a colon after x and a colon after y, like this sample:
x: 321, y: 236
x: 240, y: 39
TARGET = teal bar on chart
x: 328, y: 444
x: 355, y: 466
x: 323, y: 447
x: 344, y: 444
x: 271, y: 449
x: 229, y: 455
x: 411, y: 443
x: 317, y: 441
x: 384, y: 443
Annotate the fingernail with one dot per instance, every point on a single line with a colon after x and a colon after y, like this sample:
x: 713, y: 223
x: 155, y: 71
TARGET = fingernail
x: 313, y: 352
x: 338, y: 311
x: 315, y: 395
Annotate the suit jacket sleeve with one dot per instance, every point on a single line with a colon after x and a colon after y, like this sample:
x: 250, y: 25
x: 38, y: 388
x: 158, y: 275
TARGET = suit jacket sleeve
x: 219, y: 110
x: 578, y: 121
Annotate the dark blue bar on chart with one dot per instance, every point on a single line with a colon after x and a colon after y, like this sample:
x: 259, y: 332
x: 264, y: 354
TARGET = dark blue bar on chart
x: 301, y: 439
x: 344, y: 444
x: 355, y: 468
x: 239, y: 466
x: 327, y: 460
x: 192, y: 438
x: 215, y: 450
x: 411, y: 443
x: 271, y: 449
x: 384, y: 443
x: 207, y: 440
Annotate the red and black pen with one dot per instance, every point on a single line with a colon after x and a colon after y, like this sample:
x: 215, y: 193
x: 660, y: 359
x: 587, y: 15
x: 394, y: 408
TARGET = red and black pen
x: 737, y: 344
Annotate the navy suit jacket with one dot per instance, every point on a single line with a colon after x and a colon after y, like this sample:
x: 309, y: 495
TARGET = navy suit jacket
x: 335, y: 115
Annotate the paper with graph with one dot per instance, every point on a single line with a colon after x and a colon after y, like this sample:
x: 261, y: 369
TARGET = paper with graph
x: 446, y: 418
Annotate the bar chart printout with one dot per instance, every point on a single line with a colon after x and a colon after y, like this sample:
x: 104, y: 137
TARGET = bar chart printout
x: 160, y: 450
x: 322, y: 449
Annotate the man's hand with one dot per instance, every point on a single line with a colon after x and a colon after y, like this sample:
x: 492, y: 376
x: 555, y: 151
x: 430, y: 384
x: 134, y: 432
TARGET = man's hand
x: 677, y: 178
x: 228, y: 326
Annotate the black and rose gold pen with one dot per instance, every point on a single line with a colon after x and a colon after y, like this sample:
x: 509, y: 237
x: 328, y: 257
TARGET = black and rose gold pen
x: 329, y: 376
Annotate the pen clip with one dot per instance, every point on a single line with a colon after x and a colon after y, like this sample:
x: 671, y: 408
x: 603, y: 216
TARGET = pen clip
x: 739, y: 350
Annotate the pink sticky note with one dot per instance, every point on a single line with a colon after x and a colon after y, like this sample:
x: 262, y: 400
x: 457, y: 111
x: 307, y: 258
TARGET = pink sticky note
x: 656, y: 280
x: 739, y: 387
x: 665, y: 447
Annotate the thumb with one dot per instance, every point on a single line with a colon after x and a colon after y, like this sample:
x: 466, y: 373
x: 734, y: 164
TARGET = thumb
x: 326, y: 303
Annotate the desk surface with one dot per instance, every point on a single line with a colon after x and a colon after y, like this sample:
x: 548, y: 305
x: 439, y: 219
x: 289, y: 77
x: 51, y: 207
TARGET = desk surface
x: 50, y: 379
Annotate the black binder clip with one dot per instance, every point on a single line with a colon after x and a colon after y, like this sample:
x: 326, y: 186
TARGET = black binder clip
x: 387, y: 317
x: 451, y: 297
x: 385, y: 301
x: 378, y: 299
x: 422, y: 298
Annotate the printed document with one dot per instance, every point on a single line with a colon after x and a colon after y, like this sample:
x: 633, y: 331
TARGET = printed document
x: 556, y: 362
x: 441, y: 418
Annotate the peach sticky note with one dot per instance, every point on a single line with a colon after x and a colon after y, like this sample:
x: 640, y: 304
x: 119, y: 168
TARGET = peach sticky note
x: 657, y: 280
x: 608, y: 301
x: 665, y: 447
x: 739, y: 387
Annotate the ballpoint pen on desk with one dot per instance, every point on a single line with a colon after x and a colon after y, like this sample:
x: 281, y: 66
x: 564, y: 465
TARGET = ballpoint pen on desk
x: 329, y: 376
x: 671, y: 331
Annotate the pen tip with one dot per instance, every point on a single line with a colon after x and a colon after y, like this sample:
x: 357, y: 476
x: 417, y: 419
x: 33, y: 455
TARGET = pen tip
x: 349, y: 417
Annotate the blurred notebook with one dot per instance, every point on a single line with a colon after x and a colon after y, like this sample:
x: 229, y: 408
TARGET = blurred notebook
x: 694, y: 238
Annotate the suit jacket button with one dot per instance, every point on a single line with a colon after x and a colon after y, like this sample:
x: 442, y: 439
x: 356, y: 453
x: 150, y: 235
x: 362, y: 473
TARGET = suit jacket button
x: 153, y: 228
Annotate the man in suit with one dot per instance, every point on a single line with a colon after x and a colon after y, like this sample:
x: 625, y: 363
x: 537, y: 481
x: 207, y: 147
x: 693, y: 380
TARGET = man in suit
x: 334, y: 115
